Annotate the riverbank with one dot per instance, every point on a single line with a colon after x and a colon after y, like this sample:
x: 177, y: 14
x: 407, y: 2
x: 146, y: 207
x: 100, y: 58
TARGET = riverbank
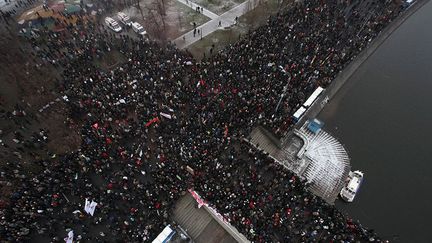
x: 381, y: 115
x: 192, y: 123
x: 349, y: 70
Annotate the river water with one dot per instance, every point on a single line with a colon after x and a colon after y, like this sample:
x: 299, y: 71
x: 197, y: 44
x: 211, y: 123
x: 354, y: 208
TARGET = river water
x: 383, y: 116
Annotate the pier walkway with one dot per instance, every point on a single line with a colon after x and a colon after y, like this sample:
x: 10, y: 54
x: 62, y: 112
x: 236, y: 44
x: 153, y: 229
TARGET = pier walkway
x: 318, y: 158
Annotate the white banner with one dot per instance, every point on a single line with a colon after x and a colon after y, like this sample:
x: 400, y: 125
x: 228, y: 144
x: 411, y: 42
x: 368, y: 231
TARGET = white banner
x: 166, y: 115
x: 87, y: 205
x: 70, y: 237
x: 90, y: 207
x: 93, y: 205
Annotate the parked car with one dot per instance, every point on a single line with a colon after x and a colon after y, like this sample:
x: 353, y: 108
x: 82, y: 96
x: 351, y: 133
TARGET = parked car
x: 124, y: 18
x: 112, y: 24
x: 137, y: 28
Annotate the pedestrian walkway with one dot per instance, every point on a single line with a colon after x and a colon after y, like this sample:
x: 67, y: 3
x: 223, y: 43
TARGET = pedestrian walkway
x: 204, y: 11
x: 226, y: 20
x: 4, y: 6
x: 8, y: 6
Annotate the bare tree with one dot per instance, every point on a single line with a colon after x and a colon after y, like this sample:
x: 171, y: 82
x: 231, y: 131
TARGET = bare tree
x: 138, y: 5
x: 179, y: 20
x: 160, y: 4
x: 248, y: 7
x: 156, y: 17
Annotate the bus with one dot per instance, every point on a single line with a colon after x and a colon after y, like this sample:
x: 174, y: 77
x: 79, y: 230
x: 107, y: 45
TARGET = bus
x: 313, y: 97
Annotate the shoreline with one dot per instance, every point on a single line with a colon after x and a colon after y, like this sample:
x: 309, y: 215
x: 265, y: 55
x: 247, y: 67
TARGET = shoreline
x: 351, y: 68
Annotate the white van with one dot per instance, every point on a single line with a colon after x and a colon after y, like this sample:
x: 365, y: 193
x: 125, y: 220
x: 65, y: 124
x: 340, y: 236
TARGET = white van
x: 124, y: 19
x: 137, y: 28
x: 112, y: 24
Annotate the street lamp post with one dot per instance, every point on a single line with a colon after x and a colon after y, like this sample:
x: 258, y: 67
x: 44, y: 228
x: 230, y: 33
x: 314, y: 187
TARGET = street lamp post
x: 283, y: 91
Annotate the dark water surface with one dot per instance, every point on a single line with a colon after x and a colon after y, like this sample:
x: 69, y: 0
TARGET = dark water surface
x: 383, y: 116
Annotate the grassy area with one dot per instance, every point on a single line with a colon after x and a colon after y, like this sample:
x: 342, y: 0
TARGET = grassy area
x: 218, y: 6
x: 176, y: 20
x: 219, y: 39
x: 187, y: 17
x: 247, y: 22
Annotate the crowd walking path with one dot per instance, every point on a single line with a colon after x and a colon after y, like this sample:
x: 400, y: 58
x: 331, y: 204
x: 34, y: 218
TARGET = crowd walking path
x: 226, y: 20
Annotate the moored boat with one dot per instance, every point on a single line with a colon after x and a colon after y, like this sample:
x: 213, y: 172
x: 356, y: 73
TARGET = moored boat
x: 353, y: 185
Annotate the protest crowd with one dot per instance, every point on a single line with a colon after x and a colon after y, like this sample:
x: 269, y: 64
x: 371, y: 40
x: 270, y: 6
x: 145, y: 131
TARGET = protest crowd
x: 147, y: 120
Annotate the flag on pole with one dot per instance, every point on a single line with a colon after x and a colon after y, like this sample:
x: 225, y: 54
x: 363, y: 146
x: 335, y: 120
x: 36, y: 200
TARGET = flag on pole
x: 189, y: 169
x: 226, y: 131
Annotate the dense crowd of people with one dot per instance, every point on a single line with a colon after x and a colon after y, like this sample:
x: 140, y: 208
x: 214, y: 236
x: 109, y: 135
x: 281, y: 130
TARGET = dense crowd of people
x: 160, y: 112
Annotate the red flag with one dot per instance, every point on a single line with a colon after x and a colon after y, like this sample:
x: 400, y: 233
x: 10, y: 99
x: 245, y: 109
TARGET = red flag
x: 95, y: 126
x: 251, y: 204
x: 110, y: 186
x: 270, y: 197
x: 202, y: 83
x: 156, y: 119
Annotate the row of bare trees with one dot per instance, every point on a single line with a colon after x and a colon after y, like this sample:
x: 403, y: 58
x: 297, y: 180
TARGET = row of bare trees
x: 153, y: 12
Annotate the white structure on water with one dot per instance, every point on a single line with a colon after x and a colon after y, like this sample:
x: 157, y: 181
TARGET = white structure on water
x: 312, y: 154
x: 325, y: 162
